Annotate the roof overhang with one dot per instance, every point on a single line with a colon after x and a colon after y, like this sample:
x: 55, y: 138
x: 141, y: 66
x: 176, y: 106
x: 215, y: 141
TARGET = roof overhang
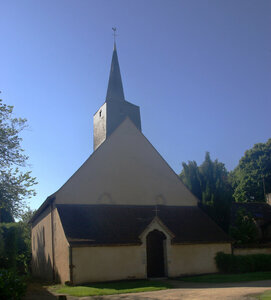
x: 49, y: 200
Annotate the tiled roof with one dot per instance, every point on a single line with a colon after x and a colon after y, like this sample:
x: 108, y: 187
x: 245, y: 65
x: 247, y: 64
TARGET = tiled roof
x: 123, y: 224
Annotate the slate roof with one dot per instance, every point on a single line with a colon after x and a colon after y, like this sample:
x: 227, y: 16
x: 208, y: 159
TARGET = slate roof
x: 260, y: 211
x: 123, y: 224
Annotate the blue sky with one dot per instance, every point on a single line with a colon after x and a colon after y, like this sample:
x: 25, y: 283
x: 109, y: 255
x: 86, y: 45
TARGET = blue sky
x: 199, y: 70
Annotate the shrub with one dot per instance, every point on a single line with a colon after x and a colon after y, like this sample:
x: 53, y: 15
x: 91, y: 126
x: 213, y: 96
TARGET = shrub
x: 12, y: 286
x: 229, y: 263
x: 15, y: 250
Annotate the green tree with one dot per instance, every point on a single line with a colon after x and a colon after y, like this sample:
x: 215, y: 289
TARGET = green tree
x: 245, y: 230
x: 15, y: 251
x: 209, y: 183
x: 251, y: 179
x: 24, y: 253
x: 15, y: 183
x: 191, y: 178
x: 25, y: 217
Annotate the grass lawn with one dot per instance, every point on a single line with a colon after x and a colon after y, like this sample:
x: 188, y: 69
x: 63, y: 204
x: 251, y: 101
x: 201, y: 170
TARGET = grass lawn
x: 111, y: 288
x: 221, y: 278
x: 265, y: 296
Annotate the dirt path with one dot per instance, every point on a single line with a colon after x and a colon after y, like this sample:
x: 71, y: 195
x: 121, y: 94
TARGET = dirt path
x: 196, y: 291
x: 35, y: 291
x: 183, y: 290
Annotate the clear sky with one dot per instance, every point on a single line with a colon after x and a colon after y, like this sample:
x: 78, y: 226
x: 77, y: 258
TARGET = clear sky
x: 199, y: 70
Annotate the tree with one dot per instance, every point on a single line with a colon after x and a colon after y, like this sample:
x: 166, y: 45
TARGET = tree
x: 15, y: 183
x: 245, y: 229
x: 191, y: 178
x: 15, y: 250
x: 24, y: 254
x: 24, y: 223
x: 251, y: 179
x: 209, y: 183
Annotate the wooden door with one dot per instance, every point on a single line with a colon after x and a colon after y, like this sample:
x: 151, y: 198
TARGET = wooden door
x: 155, y: 254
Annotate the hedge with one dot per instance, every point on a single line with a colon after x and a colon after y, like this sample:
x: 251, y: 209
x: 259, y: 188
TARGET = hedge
x: 15, y: 252
x: 229, y: 263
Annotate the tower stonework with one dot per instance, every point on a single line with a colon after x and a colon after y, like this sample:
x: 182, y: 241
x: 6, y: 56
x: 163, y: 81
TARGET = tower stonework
x: 115, y: 109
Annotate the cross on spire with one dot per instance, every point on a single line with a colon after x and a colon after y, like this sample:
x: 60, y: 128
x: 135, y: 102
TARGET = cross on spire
x: 114, y: 34
x: 156, y: 210
x: 115, y: 88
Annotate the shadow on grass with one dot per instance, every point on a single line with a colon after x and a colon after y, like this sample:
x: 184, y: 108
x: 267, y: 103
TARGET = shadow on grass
x: 113, y: 288
x: 130, y: 284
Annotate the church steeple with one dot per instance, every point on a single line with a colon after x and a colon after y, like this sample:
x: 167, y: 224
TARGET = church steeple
x: 115, y: 88
x: 115, y: 109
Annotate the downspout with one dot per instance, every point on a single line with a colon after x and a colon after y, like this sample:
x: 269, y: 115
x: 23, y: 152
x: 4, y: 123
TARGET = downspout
x: 70, y: 264
x: 53, y: 241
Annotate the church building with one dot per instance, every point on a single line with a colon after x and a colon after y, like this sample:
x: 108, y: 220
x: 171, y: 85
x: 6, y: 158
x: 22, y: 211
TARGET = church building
x: 124, y: 214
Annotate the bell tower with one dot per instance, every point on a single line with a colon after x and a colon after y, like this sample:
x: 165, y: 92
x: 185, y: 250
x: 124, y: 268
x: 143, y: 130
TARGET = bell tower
x: 115, y: 109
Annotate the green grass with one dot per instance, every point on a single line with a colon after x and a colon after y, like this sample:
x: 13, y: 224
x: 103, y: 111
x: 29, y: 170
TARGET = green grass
x: 265, y: 296
x: 111, y: 288
x: 221, y: 278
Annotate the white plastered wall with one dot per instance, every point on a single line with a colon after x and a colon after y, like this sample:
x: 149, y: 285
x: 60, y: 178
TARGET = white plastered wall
x: 61, y: 247
x: 41, y: 237
x: 107, y: 263
x: 194, y: 258
x: 125, y: 170
x: 185, y: 259
x: 46, y: 256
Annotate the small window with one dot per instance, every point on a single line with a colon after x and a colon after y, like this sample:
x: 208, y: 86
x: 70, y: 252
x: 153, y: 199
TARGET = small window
x: 100, y: 113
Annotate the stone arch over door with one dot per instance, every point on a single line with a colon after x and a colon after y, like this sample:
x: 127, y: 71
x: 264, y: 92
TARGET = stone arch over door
x: 156, y: 253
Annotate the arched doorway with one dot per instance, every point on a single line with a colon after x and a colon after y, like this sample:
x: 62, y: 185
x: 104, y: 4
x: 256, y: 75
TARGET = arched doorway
x: 155, y: 254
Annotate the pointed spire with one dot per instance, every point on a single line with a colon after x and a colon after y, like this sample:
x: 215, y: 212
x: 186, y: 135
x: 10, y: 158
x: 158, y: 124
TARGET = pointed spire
x: 115, y: 89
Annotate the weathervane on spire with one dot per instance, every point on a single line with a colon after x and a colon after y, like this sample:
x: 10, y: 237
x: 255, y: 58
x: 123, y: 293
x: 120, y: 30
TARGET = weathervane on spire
x: 114, y: 33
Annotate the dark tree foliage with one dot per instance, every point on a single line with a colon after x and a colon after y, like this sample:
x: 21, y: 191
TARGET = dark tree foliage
x: 251, y: 179
x: 15, y: 183
x: 26, y: 232
x: 6, y: 216
x: 191, y: 178
x: 245, y: 230
x: 209, y: 183
x: 15, y: 252
x: 12, y: 286
x: 15, y: 244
